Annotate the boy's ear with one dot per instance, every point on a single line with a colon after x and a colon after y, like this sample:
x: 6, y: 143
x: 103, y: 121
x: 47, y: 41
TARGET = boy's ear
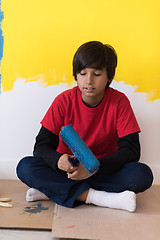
x: 109, y: 82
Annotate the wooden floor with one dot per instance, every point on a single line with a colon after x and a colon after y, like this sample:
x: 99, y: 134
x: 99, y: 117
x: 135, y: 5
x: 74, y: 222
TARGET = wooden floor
x: 84, y: 222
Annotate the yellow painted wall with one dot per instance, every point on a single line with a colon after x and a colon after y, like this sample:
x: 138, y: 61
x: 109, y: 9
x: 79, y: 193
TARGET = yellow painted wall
x: 40, y: 38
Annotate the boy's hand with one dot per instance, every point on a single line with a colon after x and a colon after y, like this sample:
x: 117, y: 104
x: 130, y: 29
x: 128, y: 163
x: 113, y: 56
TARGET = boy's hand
x: 79, y: 174
x: 64, y: 164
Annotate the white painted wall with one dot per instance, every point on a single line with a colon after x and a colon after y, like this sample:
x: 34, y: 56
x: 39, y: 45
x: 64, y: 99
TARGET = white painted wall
x: 22, y: 109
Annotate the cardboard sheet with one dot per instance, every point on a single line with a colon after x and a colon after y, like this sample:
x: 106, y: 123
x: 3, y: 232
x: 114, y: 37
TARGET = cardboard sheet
x: 91, y: 222
x: 23, y: 214
x: 84, y: 222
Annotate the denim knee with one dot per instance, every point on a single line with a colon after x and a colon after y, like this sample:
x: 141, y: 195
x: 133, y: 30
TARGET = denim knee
x: 148, y: 176
x: 23, y: 168
x: 143, y: 177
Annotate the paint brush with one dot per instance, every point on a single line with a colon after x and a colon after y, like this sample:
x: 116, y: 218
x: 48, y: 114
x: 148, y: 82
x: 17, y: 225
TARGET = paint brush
x: 79, y: 149
x: 4, y: 204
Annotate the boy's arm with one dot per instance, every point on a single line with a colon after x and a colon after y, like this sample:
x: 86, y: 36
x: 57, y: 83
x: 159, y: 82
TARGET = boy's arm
x: 129, y: 151
x: 45, y: 147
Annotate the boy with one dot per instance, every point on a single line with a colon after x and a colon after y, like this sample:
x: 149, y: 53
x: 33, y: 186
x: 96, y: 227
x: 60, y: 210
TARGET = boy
x: 104, y: 119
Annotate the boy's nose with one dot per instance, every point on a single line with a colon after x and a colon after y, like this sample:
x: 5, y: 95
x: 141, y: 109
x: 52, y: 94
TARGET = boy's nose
x: 89, y: 79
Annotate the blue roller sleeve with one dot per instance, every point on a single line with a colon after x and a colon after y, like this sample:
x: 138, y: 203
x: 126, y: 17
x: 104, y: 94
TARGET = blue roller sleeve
x: 80, y: 150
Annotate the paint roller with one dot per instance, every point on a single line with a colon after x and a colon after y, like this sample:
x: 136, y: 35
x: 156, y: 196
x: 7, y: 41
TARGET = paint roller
x: 80, y: 150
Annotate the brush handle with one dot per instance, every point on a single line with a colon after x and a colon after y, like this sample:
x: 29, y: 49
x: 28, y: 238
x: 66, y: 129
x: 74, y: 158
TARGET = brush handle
x: 79, y: 149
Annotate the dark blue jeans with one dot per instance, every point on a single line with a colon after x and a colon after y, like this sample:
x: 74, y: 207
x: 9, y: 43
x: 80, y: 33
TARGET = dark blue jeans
x: 35, y: 173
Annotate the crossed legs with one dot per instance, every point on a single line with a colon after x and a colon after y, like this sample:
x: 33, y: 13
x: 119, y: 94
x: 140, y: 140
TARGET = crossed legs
x: 117, y: 190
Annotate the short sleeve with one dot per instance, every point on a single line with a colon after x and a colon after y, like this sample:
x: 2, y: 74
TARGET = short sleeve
x: 54, y: 118
x: 126, y: 120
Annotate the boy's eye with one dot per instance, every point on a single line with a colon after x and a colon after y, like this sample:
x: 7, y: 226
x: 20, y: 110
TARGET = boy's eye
x: 82, y: 73
x: 97, y: 74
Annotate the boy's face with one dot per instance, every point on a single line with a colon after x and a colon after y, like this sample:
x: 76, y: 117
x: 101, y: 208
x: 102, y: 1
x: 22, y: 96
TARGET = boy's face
x: 92, y: 83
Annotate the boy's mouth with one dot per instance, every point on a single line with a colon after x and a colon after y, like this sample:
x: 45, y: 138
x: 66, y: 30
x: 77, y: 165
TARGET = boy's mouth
x: 89, y: 89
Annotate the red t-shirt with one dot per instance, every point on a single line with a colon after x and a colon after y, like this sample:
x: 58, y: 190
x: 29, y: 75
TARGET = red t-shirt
x: 99, y: 127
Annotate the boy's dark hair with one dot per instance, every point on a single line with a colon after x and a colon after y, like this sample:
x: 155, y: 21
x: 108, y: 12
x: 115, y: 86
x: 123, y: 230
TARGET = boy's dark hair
x: 96, y: 55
